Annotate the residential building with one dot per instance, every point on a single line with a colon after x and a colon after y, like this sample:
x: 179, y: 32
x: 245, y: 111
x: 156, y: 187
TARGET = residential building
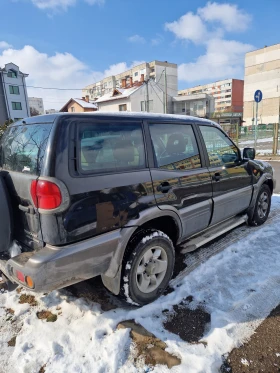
x: 140, y: 97
x: 13, y: 94
x: 262, y: 71
x: 155, y: 70
x: 51, y: 111
x: 37, y: 104
x: 228, y: 94
x: 198, y: 105
x: 79, y: 105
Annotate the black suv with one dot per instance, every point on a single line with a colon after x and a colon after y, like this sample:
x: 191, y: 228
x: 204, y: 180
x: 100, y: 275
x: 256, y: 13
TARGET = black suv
x: 106, y: 194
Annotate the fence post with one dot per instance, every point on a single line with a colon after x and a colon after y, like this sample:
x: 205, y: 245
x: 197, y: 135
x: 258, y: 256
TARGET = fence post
x: 275, y: 138
x: 237, y: 133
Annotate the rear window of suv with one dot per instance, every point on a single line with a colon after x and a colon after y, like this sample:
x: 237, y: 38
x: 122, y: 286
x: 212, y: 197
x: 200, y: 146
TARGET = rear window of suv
x: 23, y: 148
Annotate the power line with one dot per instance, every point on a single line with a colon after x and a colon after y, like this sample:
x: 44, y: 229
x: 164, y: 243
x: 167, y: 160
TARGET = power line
x: 156, y: 93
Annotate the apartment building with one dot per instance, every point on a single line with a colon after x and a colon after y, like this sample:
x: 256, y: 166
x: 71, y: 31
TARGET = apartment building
x: 228, y: 94
x: 155, y: 70
x: 13, y: 94
x: 262, y: 71
x: 37, y: 104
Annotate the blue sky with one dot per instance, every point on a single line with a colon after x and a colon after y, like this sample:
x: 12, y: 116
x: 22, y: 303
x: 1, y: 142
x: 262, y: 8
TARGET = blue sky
x: 70, y: 43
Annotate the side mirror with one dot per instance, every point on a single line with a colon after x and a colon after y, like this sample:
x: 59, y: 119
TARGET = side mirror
x: 249, y: 153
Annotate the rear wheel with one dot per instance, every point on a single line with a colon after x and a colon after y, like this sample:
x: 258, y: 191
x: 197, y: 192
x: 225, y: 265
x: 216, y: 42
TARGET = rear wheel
x: 147, y: 267
x: 262, y: 206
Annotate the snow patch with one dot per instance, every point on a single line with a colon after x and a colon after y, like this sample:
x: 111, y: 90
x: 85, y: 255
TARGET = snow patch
x: 85, y: 339
x: 245, y: 362
x: 153, y: 235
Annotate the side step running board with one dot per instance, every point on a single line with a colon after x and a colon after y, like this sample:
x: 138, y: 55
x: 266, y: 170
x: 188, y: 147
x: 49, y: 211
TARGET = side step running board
x: 211, y: 233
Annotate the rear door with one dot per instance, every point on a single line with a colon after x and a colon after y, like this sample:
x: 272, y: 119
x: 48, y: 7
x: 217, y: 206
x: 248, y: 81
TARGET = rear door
x: 22, y: 152
x: 102, y: 162
x: 180, y: 178
x: 232, y: 183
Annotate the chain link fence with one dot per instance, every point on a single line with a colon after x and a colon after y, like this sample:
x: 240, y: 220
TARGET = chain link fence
x: 265, y: 138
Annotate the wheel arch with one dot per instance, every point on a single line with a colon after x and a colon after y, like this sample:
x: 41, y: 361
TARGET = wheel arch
x: 165, y: 220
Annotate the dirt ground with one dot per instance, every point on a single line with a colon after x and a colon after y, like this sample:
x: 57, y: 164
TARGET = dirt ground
x: 261, y: 353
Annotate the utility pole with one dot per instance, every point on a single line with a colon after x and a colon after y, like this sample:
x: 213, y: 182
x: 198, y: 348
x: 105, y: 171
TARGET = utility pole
x: 147, y: 96
x: 165, y: 92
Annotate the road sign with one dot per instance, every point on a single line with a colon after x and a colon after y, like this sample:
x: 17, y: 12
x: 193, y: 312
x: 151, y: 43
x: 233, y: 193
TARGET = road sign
x: 258, y: 96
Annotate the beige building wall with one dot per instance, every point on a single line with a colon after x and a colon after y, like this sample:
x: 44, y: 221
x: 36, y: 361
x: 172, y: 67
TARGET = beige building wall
x: 262, y: 71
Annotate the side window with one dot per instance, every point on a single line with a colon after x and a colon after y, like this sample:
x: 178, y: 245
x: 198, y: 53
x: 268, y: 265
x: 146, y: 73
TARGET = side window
x: 175, y: 146
x: 220, y: 149
x: 109, y: 147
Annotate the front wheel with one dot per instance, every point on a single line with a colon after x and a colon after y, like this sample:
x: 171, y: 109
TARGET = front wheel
x: 262, y: 206
x: 147, y: 267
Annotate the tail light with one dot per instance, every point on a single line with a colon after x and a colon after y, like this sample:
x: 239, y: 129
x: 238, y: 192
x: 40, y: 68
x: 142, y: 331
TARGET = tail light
x: 45, y: 194
x: 20, y: 276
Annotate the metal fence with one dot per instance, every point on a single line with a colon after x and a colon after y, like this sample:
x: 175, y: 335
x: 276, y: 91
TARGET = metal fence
x: 265, y: 138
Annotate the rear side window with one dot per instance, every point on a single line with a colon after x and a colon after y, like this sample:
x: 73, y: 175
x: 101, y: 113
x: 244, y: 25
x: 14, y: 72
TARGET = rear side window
x: 23, y: 148
x: 110, y: 147
x: 175, y: 146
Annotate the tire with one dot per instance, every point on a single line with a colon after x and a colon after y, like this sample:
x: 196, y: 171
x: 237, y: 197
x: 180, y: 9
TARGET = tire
x: 262, y: 207
x: 150, y: 254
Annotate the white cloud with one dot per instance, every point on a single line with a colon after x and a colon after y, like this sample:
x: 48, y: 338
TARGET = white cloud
x: 230, y: 17
x: 223, y: 59
x: 136, y: 39
x: 190, y: 27
x: 210, y: 22
x: 61, y: 70
x: 120, y: 68
x: 61, y: 5
x: 5, y: 45
x: 207, y: 27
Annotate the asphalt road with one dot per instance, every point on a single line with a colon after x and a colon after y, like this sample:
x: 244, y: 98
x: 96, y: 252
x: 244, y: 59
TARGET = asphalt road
x: 276, y: 166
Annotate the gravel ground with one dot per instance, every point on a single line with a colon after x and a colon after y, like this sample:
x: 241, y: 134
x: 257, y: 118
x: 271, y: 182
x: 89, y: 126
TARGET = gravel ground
x: 261, y: 353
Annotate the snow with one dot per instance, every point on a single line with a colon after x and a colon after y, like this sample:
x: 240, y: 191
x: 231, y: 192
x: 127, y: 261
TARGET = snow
x: 239, y: 287
x: 85, y: 104
x: 154, y: 234
x: 247, y: 142
x: 245, y: 362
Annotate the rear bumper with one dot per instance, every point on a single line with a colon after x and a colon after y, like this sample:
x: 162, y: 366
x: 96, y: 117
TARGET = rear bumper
x: 57, y: 267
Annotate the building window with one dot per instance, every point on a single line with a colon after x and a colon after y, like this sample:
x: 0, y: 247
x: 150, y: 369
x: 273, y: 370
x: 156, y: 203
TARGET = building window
x: 150, y: 105
x: 72, y: 109
x: 14, y: 89
x: 123, y: 107
x: 12, y: 74
x: 136, y: 74
x: 16, y: 106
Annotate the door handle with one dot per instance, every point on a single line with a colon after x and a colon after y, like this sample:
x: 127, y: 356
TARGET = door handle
x: 164, y: 187
x: 217, y: 176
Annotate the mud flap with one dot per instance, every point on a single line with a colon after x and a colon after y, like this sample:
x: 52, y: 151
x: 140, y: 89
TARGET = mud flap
x: 6, y: 226
x: 113, y: 284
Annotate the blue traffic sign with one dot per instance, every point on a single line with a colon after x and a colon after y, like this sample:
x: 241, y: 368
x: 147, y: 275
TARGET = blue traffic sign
x: 258, y: 96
